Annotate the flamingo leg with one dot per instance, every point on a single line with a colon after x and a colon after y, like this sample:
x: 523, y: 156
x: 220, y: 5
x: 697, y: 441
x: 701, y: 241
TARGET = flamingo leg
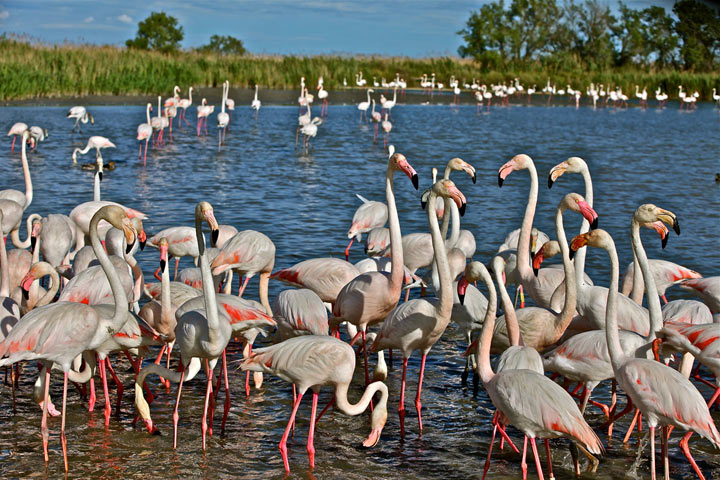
x: 145, y: 154
x: 106, y: 394
x: 418, y: 405
x: 664, y: 450
x: 537, y: 459
x: 12, y: 147
x: 118, y: 384
x: 311, y: 433
x: 208, y: 392
x: 686, y: 450
x: 652, y: 453
x: 63, y: 439
x: 347, y: 250
x: 632, y: 426
x: 283, y: 440
x: 549, y: 458
x: 523, y: 464
x: 487, y: 460
x: 401, y: 407
x: 43, y: 425
x: 714, y: 398
x: 93, y: 396
x: 226, y: 406
x: 327, y: 407
x: 244, y: 286
x: 176, y: 416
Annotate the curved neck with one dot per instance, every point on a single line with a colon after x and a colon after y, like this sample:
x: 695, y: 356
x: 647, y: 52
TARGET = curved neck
x: 54, y: 285
x: 121, y: 302
x: 26, y: 174
x: 445, y: 295
x: 565, y: 316
x: 653, y: 301
x: 207, y: 284
x: 396, y: 275
x: 580, y: 254
x: 617, y: 356
x: 523, y: 248
x: 344, y: 405
x: 483, y: 353
x: 96, y: 187
x: 4, y: 268
x: 511, y: 322
x: 368, y: 95
x: 159, y: 113
x: 166, y: 317
x: 15, y: 234
x: 147, y: 114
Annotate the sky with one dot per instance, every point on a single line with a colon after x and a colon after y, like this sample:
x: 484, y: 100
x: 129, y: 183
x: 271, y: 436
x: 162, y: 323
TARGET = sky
x: 414, y: 28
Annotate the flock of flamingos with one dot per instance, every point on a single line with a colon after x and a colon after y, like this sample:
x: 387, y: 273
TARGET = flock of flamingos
x: 577, y: 332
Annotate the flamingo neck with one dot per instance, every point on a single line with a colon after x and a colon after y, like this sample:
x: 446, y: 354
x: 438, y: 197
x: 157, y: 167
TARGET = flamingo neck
x: 447, y: 202
x: 15, y: 234
x: 344, y: 405
x: 4, y: 268
x: 208, y: 285
x: 568, y: 311
x: 638, y: 287
x: 653, y: 301
x: 523, y: 247
x: 396, y: 276
x: 511, y: 321
x: 147, y: 114
x: 445, y: 296
x: 483, y: 352
x: 584, y: 227
x: 96, y: 187
x: 26, y: 175
x: 54, y: 284
x: 166, y: 317
x: 617, y: 356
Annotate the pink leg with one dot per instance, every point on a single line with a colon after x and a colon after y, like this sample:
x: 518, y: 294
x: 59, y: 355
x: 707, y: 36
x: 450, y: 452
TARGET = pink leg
x: 118, y: 384
x: 43, y: 425
x: 537, y: 459
x: 12, y: 147
x: 93, y: 396
x: 103, y: 376
x: 401, y: 407
x: 523, y: 464
x: 176, y: 416
x: 487, y: 460
x: 327, y: 407
x: 244, y: 285
x: 714, y: 398
x: 652, y: 453
x: 686, y: 450
x: 145, y: 154
x: 208, y: 391
x: 549, y: 458
x: 63, y: 439
x: 139, y: 150
x: 418, y: 405
x: 177, y: 263
x: 311, y: 434
x: 347, y: 250
x: 283, y: 440
x: 505, y: 437
x: 632, y: 426
x: 664, y: 299
x: 226, y: 407
x: 664, y: 449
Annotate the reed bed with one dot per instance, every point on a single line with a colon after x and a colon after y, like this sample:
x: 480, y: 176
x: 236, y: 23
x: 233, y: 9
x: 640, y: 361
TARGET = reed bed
x: 33, y: 70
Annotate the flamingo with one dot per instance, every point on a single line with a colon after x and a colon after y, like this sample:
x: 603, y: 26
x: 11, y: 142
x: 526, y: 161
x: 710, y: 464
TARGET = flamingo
x: 303, y: 121
x: 549, y: 413
x: 299, y: 312
x: 324, y: 276
x: 708, y: 289
x: 203, y: 112
x: 377, y: 240
x: 376, y: 119
x: 370, y: 215
x: 386, y: 126
x: 144, y: 132
x: 418, y: 324
x: 248, y: 252
x: 229, y: 102
x: 370, y: 297
x: 97, y: 142
x: 185, y: 104
x: 310, y: 131
x: 666, y: 275
x: 389, y: 104
x: 322, y: 95
x: 311, y: 361
x: 69, y: 328
x: 157, y: 124
x: 256, y: 103
x: 39, y: 134
x: 21, y: 199
x: 663, y: 395
x: 201, y: 335
x: 363, y: 106
x: 223, y: 118
x: 16, y: 131
x: 181, y: 243
x: 80, y: 115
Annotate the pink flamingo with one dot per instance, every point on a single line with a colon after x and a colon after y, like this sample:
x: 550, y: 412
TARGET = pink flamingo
x: 223, y: 118
x: 300, y: 312
x: 80, y: 114
x: 82, y: 214
x: 368, y: 216
x: 248, y: 252
x: 201, y: 335
x: 22, y: 199
x: 97, y: 142
x: 69, y: 328
x: 370, y: 297
x: 311, y: 361
x: 324, y: 276
x: 708, y: 289
x: 322, y: 95
x: 185, y: 103
x: 666, y: 275
x: 16, y: 131
x: 419, y: 323
x: 549, y: 413
x: 203, y: 112
x: 144, y: 132
x: 386, y: 126
x: 376, y: 118
x: 181, y: 243
x: 663, y: 395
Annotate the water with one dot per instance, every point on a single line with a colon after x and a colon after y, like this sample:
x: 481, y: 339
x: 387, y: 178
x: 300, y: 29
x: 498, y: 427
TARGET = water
x: 304, y: 203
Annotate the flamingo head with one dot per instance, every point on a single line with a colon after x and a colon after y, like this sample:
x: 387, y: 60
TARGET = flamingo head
x: 473, y: 272
x: 597, y: 238
x: 92, y: 120
x: 648, y: 213
x: 35, y: 232
x: 571, y: 165
x: 548, y: 250
x: 576, y: 203
x: 141, y: 235
x: 447, y: 189
x: 498, y: 265
x: 518, y: 162
x: 28, y: 280
x: 661, y: 229
x: 163, y: 246
x: 377, y: 421
x: 460, y: 164
x: 398, y: 162
x: 205, y: 211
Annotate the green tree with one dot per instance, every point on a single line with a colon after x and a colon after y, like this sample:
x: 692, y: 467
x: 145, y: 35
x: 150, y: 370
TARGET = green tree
x: 631, y: 37
x: 662, y: 41
x: 225, y: 45
x: 533, y: 27
x: 595, y: 24
x: 486, y: 36
x: 159, y: 32
x: 698, y: 27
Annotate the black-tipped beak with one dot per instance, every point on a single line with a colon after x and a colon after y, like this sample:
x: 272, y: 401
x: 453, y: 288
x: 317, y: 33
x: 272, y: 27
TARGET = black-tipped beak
x: 664, y: 241
x: 550, y: 181
x: 423, y: 204
x: 594, y: 224
x: 572, y: 254
x: 676, y: 226
x: 163, y: 264
x: 365, y: 247
x: 129, y: 247
x: 142, y: 244
x: 500, y: 180
x: 462, y: 209
x: 100, y: 176
x: 33, y: 242
x: 25, y: 293
x: 415, y: 181
x: 474, y: 178
x: 461, y: 297
x: 214, y: 236
x: 535, y: 271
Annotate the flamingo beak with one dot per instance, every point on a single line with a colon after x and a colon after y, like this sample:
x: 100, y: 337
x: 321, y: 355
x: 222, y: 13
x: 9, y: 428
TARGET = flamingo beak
x: 578, y: 242
x: 661, y: 229
x: 130, y: 236
x: 462, y: 288
x: 669, y: 218
x: 405, y: 166
x: 163, y: 257
x: 33, y: 242
x: 142, y: 236
x: 590, y: 215
x: 457, y: 196
x: 537, y: 261
x: 214, y: 228
x: 556, y: 172
x: 26, y: 282
x: 504, y: 171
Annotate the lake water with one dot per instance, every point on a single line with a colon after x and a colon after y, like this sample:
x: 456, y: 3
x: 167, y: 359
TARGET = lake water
x: 304, y: 203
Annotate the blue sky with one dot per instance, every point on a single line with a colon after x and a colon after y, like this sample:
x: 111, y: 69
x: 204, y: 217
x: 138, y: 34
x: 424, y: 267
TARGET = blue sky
x: 395, y: 27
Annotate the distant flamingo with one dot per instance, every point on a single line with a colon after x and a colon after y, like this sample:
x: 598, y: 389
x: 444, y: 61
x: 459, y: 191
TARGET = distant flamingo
x: 223, y: 118
x: 80, y: 115
x: 370, y: 297
x: 185, y: 104
x: 322, y: 95
x: 376, y: 119
x: 256, y: 104
x: 229, y: 102
x: 16, y: 131
x: 69, y: 328
x: 386, y: 126
x: 368, y: 216
x: 203, y: 112
x: 144, y: 132
x: 22, y: 199
x: 363, y: 106
x: 96, y: 142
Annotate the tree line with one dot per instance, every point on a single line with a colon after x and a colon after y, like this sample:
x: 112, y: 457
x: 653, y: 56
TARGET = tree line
x: 571, y: 36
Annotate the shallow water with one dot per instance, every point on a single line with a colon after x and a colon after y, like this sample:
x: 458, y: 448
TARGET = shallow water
x: 304, y: 203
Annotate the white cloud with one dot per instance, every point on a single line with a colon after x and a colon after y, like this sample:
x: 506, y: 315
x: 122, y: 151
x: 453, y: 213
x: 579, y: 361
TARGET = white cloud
x: 89, y: 20
x: 124, y: 18
x: 4, y: 14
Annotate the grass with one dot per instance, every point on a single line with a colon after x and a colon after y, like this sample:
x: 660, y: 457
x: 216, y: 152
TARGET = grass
x: 31, y: 70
